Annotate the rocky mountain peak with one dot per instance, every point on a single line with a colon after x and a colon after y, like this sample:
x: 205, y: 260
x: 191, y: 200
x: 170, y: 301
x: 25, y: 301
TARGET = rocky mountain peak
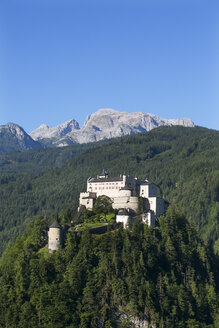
x: 46, y: 132
x: 104, y: 124
x: 13, y: 138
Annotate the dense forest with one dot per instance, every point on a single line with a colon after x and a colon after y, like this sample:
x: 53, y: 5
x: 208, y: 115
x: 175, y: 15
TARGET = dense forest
x: 183, y: 162
x: 163, y: 277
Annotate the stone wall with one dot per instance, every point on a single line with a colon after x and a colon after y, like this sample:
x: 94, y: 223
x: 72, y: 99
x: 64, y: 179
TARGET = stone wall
x: 54, y: 236
x: 126, y: 202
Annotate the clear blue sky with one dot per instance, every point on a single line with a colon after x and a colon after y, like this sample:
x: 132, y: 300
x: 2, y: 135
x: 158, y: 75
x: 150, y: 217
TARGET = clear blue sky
x: 62, y: 59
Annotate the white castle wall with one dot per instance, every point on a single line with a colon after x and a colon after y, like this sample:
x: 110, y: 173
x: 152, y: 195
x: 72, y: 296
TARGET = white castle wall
x: 156, y: 205
x: 88, y: 203
x: 125, y: 202
x: 54, y: 235
x: 148, y: 190
x: 87, y: 199
x: 149, y: 219
x: 123, y: 219
x: 108, y: 188
x: 125, y: 193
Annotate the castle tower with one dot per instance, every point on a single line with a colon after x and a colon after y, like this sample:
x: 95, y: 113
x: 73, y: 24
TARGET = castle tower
x: 54, y: 236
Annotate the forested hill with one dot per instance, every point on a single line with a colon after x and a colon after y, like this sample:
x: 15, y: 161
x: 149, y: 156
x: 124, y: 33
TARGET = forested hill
x: 161, y: 277
x: 183, y: 162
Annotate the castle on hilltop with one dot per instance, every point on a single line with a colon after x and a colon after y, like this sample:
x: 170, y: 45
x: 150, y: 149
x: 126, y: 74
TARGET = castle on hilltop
x: 125, y: 192
x: 130, y: 196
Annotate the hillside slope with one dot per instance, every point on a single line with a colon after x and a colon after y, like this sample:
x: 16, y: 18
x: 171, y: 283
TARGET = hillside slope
x: 183, y: 162
x: 162, y: 277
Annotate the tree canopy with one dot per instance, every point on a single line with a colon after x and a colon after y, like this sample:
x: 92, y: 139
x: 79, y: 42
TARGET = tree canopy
x: 103, y: 204
x: 164, y: 276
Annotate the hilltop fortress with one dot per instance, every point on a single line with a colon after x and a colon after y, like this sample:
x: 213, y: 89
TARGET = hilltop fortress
x: 125, y: 193
x: 133, y: 198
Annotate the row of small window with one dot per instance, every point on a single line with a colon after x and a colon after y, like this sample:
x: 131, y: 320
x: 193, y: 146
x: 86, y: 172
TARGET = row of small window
x: 106, y: 188
x: 116, y: 183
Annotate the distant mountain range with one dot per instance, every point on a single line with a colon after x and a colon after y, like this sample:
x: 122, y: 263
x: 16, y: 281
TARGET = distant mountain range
x: 103, y: 124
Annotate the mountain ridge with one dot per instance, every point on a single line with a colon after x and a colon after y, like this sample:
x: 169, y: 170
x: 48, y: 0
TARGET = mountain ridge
x: 14, y: 138
x: 106, y: 123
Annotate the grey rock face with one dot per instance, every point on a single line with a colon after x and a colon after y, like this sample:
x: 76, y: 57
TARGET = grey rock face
x: 44, y: 131
x: 103, y: 124
x: 14, y: 138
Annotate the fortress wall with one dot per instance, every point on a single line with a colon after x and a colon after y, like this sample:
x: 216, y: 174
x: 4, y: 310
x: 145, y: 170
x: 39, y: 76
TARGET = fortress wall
x: 83, y: 194
x: 149, y: 219
x: 148, y: 190
x: 126, y: 202
x: 125, y: 193
x: 123, y: 219
x: 112, y: 192
x: 88, y: 203
x: 157, y: 205
x: 144, y: 191
x: 108, y: 188
x: 153, y: 204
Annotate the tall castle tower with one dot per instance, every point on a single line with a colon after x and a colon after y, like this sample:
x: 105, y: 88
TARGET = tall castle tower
x: 54, y: 236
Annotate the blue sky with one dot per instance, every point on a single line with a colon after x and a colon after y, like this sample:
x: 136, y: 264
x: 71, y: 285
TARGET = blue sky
x: 62, y: 59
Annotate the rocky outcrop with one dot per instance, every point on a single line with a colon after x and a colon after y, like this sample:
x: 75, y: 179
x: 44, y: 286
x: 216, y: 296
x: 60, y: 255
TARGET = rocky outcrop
x: 14, y: 138
x: 104, y: 124
x: 122, y: 316
x: 44, y: 131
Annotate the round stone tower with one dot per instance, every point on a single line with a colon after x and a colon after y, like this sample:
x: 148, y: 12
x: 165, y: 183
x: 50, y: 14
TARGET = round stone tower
x: 54, y: 236
x: 125, y: 192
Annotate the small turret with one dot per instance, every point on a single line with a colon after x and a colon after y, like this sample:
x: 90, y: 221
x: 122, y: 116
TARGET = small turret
x: 104, y: 174
x: 54, y: 236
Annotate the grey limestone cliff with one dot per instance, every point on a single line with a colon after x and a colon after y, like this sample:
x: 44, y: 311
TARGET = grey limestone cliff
x: 103, y: 124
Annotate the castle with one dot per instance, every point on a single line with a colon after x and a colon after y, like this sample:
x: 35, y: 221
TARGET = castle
x: 126, y: 194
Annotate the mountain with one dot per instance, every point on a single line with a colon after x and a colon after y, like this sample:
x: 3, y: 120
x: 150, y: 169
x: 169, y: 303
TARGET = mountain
x: 56, y: 134
x: 104, y: 124
x: 13, y: 137
x: 182, y: 161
